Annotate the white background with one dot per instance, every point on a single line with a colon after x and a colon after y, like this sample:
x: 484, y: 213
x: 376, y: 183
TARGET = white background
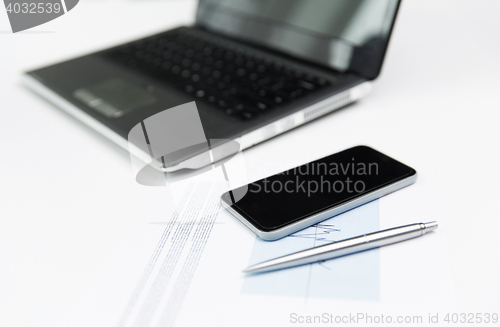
x: 68, y: 197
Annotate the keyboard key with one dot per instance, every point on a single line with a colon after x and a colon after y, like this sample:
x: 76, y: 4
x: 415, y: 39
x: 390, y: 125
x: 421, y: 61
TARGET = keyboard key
x: 306, y: 85
x: 222, y: 103
x: 231, y: 111
x: 246, y: 115
x: 261, y: 106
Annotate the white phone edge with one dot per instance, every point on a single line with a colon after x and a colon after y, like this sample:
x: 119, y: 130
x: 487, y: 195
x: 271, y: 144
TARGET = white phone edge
x: 329, y: 213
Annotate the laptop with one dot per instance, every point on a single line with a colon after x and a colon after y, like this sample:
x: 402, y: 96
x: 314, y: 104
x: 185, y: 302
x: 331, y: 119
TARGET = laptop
x: 254, y: 68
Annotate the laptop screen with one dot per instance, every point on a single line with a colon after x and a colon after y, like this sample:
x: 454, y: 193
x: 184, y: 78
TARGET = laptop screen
x: 345, y: 35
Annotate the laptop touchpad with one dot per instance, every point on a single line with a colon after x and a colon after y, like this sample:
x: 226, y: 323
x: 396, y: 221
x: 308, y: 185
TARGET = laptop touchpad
x: 114, y: 97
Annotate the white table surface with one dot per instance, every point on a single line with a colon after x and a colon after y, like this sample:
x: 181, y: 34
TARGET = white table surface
x: 68, y: 197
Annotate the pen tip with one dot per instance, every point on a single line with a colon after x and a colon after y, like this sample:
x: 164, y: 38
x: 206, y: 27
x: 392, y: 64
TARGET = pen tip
x: 251, y: 269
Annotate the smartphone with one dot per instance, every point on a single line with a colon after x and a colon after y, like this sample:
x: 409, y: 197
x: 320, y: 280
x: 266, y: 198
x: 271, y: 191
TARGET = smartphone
x: 285, y: 203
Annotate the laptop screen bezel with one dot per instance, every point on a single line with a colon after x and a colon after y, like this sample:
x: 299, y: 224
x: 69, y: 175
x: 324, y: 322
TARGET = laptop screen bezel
x: 262, y: 28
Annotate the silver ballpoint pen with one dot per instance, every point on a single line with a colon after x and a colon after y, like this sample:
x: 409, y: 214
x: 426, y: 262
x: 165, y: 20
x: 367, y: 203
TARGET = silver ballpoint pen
x: 345, y: 247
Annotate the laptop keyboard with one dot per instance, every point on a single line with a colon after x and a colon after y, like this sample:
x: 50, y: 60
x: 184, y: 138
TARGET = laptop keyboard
x: 238, y: 82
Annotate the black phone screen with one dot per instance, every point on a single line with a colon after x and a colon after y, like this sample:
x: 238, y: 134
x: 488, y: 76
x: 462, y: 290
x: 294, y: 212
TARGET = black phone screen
x: 276, y: 201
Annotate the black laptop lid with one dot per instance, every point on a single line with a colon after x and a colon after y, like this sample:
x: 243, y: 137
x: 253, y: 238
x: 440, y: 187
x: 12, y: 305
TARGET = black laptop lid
x: 345, y: 35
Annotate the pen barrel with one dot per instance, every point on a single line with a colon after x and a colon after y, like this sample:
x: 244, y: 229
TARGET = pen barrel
x: 369, y: 241
x: 349, y: 246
